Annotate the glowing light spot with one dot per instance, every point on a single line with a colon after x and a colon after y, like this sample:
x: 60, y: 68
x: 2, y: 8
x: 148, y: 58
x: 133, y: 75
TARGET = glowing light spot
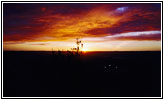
x: 85, y: 49
x: 121, y: 9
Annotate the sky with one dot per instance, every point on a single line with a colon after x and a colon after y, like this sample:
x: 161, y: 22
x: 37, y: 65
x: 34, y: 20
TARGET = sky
x: 100, y: 26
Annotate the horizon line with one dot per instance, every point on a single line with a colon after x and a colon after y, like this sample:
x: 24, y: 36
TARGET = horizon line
x: 79, y: 51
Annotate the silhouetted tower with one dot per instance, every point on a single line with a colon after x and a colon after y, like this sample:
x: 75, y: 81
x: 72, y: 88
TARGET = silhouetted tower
x: 78, y: 43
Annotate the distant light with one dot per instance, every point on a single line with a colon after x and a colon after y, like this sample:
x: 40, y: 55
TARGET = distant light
x: 121, y: 9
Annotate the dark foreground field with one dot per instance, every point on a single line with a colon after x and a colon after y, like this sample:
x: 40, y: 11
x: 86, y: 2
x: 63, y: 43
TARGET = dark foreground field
x: 94, y: 74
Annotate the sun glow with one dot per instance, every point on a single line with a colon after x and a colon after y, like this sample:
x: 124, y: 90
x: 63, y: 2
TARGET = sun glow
x: 84, y: 49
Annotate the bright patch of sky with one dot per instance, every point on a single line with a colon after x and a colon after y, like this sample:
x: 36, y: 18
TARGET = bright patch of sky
x: 122, y: 35
x: 136, y: 33
x: 121, y: 9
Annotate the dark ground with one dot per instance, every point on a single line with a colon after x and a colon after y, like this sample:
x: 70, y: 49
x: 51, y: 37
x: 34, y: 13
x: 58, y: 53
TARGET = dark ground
x: 94, y: 74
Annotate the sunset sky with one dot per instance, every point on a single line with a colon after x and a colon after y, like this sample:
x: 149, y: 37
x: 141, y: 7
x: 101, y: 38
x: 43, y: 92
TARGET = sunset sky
x: 101, y: 26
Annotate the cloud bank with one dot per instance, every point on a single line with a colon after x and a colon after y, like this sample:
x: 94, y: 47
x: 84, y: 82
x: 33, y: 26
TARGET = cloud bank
x: 24, y: 22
